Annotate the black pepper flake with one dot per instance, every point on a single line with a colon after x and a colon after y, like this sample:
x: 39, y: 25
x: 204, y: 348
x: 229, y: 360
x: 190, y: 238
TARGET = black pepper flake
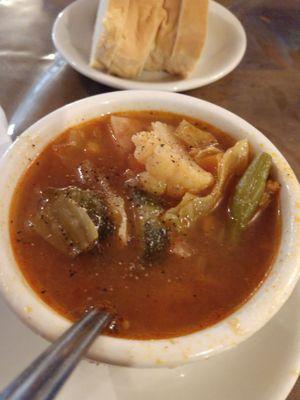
x: 43, y: 291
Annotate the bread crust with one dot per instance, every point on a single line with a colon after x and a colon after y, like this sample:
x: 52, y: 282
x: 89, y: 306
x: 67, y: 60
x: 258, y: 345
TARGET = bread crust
x: 190, y: 37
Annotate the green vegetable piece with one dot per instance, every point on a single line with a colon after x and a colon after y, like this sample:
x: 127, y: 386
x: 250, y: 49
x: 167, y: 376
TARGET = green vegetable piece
x: 148, y: 206
x: 249, y: 191
x: 90, y: 176
x: 191, y: 207
x: 193, y: 136
x: 154, y: 235
x: 71, y: 220
x: 66, y: 226
x: 155, y: 239
x: 91, y: 202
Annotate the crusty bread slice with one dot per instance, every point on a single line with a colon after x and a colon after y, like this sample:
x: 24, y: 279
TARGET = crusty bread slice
x: 109, y: 25
x: 190, y: 37
x: 143, y: 20
x: 130, y: 28
x: 131, y: 35
x: 166, y: 36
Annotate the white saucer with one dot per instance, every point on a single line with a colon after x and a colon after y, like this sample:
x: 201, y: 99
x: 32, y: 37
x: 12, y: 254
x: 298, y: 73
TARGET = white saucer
x: 265, y: 367
x: 224, y: 49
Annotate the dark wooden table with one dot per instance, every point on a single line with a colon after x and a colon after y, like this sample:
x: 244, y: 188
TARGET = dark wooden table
x: 264, y: 89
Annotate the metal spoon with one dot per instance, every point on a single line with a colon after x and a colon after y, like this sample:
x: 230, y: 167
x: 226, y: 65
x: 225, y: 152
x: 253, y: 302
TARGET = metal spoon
x: 46, y: 375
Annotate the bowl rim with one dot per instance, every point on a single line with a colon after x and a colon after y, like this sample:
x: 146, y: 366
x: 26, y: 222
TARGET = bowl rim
x: 227, y: 333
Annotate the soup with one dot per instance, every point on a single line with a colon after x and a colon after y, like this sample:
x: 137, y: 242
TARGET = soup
x: 161, y: 219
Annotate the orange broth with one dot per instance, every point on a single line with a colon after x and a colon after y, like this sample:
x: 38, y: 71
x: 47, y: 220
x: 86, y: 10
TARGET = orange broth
x: 173, y: 297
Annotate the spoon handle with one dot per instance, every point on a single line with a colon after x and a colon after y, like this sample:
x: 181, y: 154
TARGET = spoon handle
x: 45, y: 376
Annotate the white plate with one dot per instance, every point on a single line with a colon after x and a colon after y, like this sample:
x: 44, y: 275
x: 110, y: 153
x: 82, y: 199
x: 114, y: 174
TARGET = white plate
x: 265, y: 367
x: 224, y: 49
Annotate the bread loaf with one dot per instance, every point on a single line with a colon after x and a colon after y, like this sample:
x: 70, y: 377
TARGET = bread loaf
x: 165, y: 37
x: 132, y: 35
x: 130, y: 28
x: 190, y: 37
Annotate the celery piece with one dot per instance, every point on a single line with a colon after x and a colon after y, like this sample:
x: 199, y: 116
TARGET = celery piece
x: 249, y: 191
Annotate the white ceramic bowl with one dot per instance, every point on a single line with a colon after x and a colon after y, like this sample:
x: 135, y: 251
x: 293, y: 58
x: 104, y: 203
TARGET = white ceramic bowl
x: 149, y: 353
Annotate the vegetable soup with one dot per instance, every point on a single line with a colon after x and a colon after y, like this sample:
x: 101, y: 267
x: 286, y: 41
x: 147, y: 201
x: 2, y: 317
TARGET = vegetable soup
x: 161, y: 219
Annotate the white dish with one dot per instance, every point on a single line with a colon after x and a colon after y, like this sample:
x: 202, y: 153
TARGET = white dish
x: 224, y: 49
x: 5, y: 140
x: 155, y: 353
x: 263, y: 368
